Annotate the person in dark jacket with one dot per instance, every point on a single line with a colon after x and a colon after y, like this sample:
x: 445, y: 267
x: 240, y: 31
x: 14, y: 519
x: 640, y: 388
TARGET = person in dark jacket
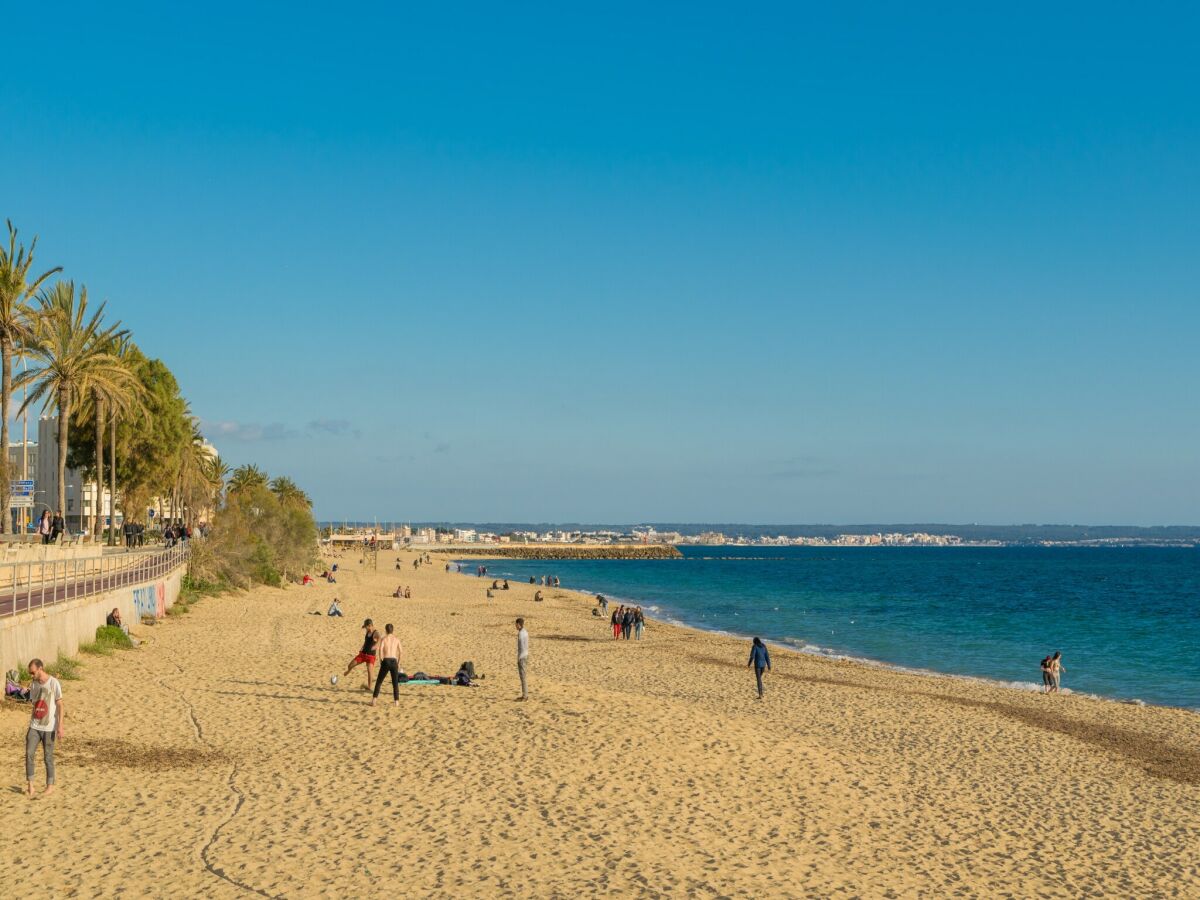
x: 761, y: 660
x: 627, y: 622
x: 57, y: 526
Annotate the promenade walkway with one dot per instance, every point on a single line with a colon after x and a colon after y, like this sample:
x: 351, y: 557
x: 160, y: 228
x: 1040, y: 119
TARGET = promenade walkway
x: 26, y: 586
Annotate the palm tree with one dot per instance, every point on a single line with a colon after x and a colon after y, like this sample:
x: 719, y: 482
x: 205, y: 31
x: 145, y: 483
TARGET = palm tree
x: 218, y: 473
x: 114, y: 397
x: 246, y: 477
x: 122, y: 349
x: 75, y: 354
x: 16, y: 287
x: 289, y: 492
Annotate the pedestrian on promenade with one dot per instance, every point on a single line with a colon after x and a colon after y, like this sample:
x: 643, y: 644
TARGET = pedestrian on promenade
x: 389, y: 664
x: 43, y: 527
x: 45, y: 725
x: 58, y: 525
x: 761, y: 660
x: 523, y: 658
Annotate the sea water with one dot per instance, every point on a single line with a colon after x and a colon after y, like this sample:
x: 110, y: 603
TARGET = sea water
x: 1127, y: 620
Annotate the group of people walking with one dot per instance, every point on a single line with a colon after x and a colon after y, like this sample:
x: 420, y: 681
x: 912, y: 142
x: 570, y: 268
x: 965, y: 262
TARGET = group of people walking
x: 51, y: 526
x: 626, y: 621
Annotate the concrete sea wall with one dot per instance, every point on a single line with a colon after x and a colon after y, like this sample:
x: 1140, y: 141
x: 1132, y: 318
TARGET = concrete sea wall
x: 59, y: 629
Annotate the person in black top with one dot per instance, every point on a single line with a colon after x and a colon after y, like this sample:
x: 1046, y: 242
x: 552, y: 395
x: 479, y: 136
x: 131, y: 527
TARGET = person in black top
x: 626, y: 622
x: 367, y: 653
x: 57, y: 526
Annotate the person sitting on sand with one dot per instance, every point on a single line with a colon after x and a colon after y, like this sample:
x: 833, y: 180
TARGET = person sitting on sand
x: 495, y: 584
x: 505, y: 586
x: 1056, y: 670
x: 367, y: 653
x: 490, y: 595
x: 399, y: 591
x: 334, y: 608
x: 760, y: 659
x: 537, y: 596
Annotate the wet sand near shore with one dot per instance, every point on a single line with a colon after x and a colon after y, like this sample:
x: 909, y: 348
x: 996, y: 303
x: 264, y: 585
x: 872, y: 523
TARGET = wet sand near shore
x: 217, y: 761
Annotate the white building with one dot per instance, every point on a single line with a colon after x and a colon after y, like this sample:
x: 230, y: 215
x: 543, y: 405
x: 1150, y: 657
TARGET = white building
x: 81, y: 494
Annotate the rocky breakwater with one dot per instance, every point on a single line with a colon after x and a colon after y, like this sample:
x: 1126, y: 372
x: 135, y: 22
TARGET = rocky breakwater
x: 567, y: 551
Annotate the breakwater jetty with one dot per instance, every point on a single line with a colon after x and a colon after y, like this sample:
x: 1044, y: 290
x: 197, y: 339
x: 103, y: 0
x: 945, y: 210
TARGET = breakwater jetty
x: 565, y: 551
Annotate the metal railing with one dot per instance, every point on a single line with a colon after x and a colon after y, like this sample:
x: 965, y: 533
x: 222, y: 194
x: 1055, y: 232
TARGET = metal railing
x: 25, y: 586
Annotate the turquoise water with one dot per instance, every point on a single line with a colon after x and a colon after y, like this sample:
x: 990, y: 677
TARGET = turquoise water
x: 1126, y: 620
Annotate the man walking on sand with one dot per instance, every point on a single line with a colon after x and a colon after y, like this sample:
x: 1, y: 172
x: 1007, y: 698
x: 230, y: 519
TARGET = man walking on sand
x: 45, y: 726
x: 389, y: 664
x: 523, y: 658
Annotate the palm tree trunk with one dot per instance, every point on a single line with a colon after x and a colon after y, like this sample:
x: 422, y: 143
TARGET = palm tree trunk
x: 5, y: 396
x: 112, y: 477
x: 99, y: 502
x: 64, y: 420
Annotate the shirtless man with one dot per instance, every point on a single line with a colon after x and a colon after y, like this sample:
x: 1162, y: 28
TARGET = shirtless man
x: 389, y: 664
x: 367, y: 653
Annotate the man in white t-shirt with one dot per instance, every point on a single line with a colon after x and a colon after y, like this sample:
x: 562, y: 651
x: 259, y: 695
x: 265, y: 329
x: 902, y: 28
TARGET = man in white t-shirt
x: 45, y: 726
x: 523, y: 658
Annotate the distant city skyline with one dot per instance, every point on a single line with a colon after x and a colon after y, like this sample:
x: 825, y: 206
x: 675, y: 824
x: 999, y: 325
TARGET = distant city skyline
x: 779, y: 264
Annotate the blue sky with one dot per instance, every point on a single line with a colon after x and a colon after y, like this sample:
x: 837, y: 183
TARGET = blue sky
x: 607, y: 263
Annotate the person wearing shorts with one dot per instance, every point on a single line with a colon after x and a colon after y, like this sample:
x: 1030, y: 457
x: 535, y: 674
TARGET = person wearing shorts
x: 389, y: 664
x: 367, y: 653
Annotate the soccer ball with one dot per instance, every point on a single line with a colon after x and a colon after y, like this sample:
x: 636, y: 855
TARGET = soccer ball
x: 333, y: 679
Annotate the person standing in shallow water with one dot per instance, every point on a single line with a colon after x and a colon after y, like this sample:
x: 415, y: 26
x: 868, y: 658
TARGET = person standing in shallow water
x: 761, y: 660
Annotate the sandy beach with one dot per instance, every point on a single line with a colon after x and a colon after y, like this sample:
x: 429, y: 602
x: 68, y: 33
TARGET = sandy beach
x: 217, y: 761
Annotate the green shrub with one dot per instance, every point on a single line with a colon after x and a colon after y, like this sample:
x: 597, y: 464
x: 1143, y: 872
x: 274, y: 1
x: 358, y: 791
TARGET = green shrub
x: 113, y: 636
x: 108, y: 638
x: 65, y: 668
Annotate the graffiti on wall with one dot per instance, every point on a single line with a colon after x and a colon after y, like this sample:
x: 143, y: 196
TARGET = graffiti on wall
x: 151, y: 600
